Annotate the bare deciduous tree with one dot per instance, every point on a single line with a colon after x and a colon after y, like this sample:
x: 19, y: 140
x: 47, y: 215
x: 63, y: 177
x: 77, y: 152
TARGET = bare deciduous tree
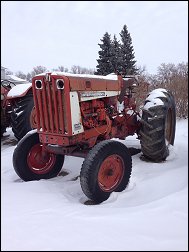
x: 21, y: 75
x: 61, y: 69
x: 175, y: 78
x: 142, y: 89
x: 8, y: 72
x: 81, y: 70
x: 39, y: 69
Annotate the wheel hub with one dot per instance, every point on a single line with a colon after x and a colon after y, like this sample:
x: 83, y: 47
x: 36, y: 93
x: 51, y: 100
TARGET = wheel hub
x: 110, y: 173
x: 39, y: 161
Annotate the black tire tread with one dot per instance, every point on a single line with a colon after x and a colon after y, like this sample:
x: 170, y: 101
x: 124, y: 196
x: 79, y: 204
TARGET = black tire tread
x: 152, y: 132
x: 21, y: 123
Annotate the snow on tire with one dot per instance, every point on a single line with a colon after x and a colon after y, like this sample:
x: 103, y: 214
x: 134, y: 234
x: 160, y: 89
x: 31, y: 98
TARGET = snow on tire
x: 158, y: 125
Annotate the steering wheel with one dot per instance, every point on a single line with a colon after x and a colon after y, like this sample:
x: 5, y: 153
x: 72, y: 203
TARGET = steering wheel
x: 7, y: 84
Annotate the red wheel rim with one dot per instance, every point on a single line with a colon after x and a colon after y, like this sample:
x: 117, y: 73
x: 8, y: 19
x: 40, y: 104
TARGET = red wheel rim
x: 110, y: 173
x: 40, y: 162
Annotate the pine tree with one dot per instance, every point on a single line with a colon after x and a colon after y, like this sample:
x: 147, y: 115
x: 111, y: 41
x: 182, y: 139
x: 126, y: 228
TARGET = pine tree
x: 127, y: 52
x: 116, y: 59
x: 104, y: 66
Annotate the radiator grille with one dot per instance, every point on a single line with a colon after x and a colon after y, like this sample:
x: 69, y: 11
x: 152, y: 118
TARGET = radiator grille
x: 49, y: 102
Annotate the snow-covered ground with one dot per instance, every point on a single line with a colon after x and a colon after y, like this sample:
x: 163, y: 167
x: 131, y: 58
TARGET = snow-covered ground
x: 51, y: 215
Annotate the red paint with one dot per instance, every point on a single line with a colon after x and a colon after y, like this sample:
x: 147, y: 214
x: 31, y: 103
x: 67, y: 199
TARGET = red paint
x: 110, y: 173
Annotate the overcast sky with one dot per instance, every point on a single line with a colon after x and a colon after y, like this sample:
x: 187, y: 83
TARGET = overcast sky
x: 54, y: 33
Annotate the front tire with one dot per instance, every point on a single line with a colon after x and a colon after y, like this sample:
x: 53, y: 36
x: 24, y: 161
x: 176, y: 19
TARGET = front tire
x: 31, y: 163
x: 158, y: 125
x: 107, y: 168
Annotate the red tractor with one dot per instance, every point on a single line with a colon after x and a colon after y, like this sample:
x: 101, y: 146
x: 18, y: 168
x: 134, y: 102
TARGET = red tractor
x: 16, y: 107
x: 5, y: 105
x: 78, y: 115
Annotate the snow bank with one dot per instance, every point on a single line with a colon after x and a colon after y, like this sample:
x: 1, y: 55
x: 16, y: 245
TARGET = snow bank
x: 151, y: 214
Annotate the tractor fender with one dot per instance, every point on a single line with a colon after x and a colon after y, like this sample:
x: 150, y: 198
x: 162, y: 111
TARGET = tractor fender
x: 19, y: 90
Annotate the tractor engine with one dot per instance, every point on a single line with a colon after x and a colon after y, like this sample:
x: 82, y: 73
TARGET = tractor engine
x: 93, y: 113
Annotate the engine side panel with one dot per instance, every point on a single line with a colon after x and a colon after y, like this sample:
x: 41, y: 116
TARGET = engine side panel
x: 77, y: 126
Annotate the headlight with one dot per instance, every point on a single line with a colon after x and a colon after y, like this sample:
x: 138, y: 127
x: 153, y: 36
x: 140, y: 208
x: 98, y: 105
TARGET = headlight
x: 38, y: 84
x: 60, y: 84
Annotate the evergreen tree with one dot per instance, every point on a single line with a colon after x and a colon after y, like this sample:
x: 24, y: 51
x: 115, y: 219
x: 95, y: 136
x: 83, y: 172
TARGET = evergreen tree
x: 127, y: 52
x: 104, y: 66
x: 116, y: 59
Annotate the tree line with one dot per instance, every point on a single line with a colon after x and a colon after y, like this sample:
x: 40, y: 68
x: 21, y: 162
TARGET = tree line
x: 75, y: 69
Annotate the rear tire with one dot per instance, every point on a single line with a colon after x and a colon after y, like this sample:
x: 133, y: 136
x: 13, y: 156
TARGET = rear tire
x: 20, y: 115
x: 158, y: 125
x: 29, y: 162
x: 107, y: 168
